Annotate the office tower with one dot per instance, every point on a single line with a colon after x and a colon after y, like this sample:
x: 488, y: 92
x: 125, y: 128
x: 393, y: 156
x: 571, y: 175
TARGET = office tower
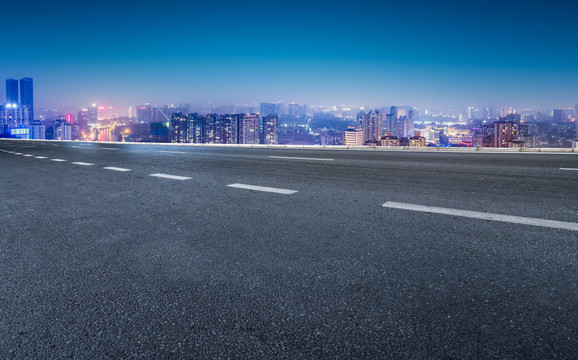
x: 146, y: 114
x: 27, y: 94
x: 353, y: 137
x: 390, y: 122
x: 179, y: 128
x: 12, y: 92
x: 92, y: 113
x: 82, y: 119
x: 270, y: 129
x: 248, y: 128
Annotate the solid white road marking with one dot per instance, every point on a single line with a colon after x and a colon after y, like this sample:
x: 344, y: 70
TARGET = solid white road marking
x: 263, y: 188
x: 300, y: 158
x: 57, y: 159
x: 486, y: 216
x: 109, y: 148
x: 40, y: 157
x: 172, y: 152
x: 115, y: 168
x: 82, y: 163
x: 570, y: 169
x: 174, y: 177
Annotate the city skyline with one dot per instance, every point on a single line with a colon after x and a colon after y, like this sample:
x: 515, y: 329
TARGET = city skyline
x: 443, y: 56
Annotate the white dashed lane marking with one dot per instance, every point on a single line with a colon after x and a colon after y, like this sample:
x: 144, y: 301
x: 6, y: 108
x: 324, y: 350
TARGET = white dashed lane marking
x: 569, y: 169
x: 40, y: 157
x: 172, y: 152
x: 82, y: 163
x: 116, y: 168
x: 300, y: 158
x: 174, y: 177
x: 58, y: 160
x: 27, y: 155
x: 107, y: 148
x: 263, y: 188
x: 485, y: 216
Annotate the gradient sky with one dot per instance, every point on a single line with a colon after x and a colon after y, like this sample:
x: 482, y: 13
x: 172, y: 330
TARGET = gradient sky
x: 438, y: 54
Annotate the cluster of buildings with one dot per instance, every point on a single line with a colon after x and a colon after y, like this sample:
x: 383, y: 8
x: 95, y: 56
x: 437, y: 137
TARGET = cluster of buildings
x: 217, y: 129
x: 396, y: 128
x: 278, y: 123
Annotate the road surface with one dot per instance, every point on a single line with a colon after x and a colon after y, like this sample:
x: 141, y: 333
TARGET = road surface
x: 119, y: 251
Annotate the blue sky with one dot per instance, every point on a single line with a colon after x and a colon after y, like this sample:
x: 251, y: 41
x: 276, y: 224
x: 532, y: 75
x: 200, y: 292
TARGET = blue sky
x: 438, y: 54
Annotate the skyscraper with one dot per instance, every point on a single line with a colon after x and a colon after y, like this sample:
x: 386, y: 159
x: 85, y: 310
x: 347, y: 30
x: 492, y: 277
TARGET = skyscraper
x: 27, y: 94
x: 179, y: 128
x: 248, y: 129
x: 270, y: 129
x: 12, y: 91
x: 92, y: 114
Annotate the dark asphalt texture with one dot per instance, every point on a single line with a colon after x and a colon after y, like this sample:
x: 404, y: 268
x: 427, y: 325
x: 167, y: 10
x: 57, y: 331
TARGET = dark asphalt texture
x: 102, y: 264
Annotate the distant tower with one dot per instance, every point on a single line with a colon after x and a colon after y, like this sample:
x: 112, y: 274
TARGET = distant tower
x: 27, y: 94
x: 12, y: 91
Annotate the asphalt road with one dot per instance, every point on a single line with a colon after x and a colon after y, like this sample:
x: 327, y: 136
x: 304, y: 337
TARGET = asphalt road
x: 107, y: 261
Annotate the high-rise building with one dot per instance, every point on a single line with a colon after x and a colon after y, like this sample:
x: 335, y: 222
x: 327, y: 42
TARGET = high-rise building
x: 62, y: 130
x: 370, y: 124
x: 248, y: 128
x: 82, y: 119
x: 13, y: 115
x: 197, y: 127
x: 92, y: 113
x: 12, y: 92
x: 179, y: 128
x: 270, y: 129
x: 27, y: 94
x: 231, y: 129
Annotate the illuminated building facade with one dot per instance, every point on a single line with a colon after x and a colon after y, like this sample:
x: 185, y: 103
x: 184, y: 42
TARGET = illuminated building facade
x: 248, y: 128
x: 353, y: 137
x: 179, y: 128
x: 389, y: 139
x: 270, y: 132
x: 417, y: 140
